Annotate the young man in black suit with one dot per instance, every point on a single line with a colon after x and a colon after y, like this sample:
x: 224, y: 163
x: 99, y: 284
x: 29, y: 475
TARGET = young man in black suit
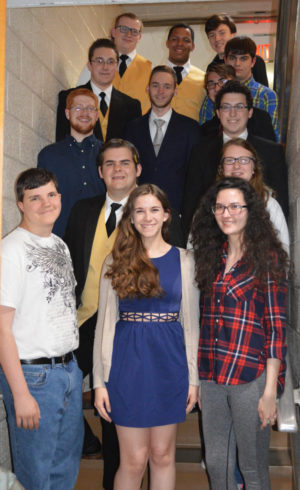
x: 90, y: 238
x: 164, y: 149
x: 234, y: 108
x: 115, y: 108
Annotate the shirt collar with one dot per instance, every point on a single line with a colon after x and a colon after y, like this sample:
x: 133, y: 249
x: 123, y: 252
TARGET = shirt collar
x: 166, y: 117
x: 186, y: 67
x: 109, y: 201
x: 97, y: 90
x: 243, y: 135
x: 130, y: 55
x: 86, y: 142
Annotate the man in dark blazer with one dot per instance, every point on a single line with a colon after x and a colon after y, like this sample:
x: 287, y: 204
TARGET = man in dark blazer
x: 89, y: 242
x: 165, y: 150
x: 234, y: 108
x: 115, y: 108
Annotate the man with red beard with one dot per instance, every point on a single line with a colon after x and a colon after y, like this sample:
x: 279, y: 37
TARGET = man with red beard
x: 73, y: 160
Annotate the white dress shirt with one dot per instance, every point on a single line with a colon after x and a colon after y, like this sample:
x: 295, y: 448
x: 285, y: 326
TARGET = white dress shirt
x: 98, y: 91
x: 186, y: 67
x: 152, y: 126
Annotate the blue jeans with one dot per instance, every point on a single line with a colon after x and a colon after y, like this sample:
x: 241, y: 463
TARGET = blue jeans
x: 49, y: 457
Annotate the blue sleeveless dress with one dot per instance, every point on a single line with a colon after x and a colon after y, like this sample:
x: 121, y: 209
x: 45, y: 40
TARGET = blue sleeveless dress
x: 148, y: 382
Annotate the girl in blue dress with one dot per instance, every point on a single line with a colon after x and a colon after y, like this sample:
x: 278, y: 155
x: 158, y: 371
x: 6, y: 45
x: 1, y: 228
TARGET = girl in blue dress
x: 145, y: 351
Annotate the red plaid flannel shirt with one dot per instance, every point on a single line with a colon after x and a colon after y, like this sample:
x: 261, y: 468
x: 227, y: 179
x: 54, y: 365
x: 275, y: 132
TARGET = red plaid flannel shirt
x: 241, y: 327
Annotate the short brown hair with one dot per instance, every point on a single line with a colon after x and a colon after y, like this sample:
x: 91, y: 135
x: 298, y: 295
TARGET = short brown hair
x: 163, y: 69
x: 216, y: 20
x: 102, y: 43
x: 118, y: 143
x: 131, y: 16
x: 32, y: 178
x: 80, y: 91
x: 240, y: 45
x: 224, y: 71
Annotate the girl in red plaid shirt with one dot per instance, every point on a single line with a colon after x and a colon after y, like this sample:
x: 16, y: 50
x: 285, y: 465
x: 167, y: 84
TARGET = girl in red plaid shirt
x: 240, y: 270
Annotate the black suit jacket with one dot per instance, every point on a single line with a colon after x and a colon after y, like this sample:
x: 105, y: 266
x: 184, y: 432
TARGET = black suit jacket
x: 167, y: 169
x: 204, y: 161
x: 260, y: 124
x: 80, y: 234
x: 122, y: 109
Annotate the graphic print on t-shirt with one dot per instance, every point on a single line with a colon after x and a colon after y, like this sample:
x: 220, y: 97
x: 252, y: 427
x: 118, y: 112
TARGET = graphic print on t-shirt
x: 56, y: 269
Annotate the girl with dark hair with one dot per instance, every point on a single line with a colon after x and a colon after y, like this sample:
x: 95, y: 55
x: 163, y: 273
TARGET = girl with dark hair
x: 240, y: 270
x: 145, y: 361
x: 239, y: 159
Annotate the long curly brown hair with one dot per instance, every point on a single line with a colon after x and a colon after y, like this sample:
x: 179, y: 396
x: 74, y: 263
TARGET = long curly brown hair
x: 132, y: 274
x: 257, y: 180
x: 263, y: 251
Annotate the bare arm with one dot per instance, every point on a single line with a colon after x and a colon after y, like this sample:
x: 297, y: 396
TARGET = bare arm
x: 267, y: 403
x: 26, y: 407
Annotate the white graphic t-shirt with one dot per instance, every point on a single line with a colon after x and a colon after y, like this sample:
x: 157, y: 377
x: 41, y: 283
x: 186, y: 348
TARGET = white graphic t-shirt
x: 37, y: 280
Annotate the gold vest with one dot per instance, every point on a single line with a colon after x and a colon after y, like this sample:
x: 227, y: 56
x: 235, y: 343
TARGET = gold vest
x: 190, y: 94
x: 104, y: 122
x: 135, y: 81
x: 102, y: 246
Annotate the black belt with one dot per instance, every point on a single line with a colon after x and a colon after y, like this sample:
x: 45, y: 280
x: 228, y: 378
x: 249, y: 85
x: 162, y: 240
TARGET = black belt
x: 50, y: 360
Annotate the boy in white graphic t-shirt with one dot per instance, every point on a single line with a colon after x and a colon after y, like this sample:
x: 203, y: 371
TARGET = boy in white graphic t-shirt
x: 39, y: 376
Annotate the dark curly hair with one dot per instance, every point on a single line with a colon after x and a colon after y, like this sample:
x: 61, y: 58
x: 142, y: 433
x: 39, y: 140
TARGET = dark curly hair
x: 263, y: 251
x: 132, y: 273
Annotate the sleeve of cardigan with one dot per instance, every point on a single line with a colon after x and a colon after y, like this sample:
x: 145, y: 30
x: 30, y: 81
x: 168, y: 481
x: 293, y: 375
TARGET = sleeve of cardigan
x: 105, y: 287
x: 191, y: 314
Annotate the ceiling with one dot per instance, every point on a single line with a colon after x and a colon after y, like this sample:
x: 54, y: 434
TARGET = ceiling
x: 197, y: 12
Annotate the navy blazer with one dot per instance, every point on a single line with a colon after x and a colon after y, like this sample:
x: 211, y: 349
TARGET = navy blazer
x: 168, y: 169
x: 122, y: 109
x: 203, y: 166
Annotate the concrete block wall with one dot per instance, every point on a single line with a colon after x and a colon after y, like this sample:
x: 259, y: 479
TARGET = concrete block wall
x: 46, y: 49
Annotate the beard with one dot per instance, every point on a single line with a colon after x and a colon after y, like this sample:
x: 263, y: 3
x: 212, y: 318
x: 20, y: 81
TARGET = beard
x: 159, y: 104
x: 82, y: 129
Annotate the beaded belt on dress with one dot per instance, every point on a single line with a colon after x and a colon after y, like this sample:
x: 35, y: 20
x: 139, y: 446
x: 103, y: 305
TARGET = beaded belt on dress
x: 133, y: 316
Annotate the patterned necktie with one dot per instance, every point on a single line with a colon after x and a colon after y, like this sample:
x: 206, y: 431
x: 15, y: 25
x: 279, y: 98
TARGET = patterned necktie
x: 103, y: 104
x: 123, y: 64
x: 112, y: 219
x: 178, y: 70
x: 159, y: 136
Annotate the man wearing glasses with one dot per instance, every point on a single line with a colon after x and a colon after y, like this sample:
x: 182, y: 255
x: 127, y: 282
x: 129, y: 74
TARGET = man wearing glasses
x: 234, y: 108
x: 134, y: 70
x: 116, y: 109
x: 73, y: 160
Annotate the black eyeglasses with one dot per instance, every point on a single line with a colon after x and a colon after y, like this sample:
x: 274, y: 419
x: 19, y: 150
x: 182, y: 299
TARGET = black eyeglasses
x: 232, y: 208
x: 229, y: 107
x: 126, y: 29
x: 241, y: 160
x: 212, y: 85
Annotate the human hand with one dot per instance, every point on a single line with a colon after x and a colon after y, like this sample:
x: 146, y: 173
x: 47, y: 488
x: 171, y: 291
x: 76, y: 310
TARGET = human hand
x: 27, y: 411
x: 192, y: 398
x: 102, y: 403
x: 267, y: 409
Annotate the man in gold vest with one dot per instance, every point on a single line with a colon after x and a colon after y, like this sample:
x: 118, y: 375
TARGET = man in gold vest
x: 134, y: 70
x: 190, y: 79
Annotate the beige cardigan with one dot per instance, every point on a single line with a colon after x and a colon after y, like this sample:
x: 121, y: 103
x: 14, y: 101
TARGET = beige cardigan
x: 108, y: 315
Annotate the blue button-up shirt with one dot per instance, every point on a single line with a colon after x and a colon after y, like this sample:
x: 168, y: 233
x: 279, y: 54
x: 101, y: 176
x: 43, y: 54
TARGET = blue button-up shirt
x: 74, y: 165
